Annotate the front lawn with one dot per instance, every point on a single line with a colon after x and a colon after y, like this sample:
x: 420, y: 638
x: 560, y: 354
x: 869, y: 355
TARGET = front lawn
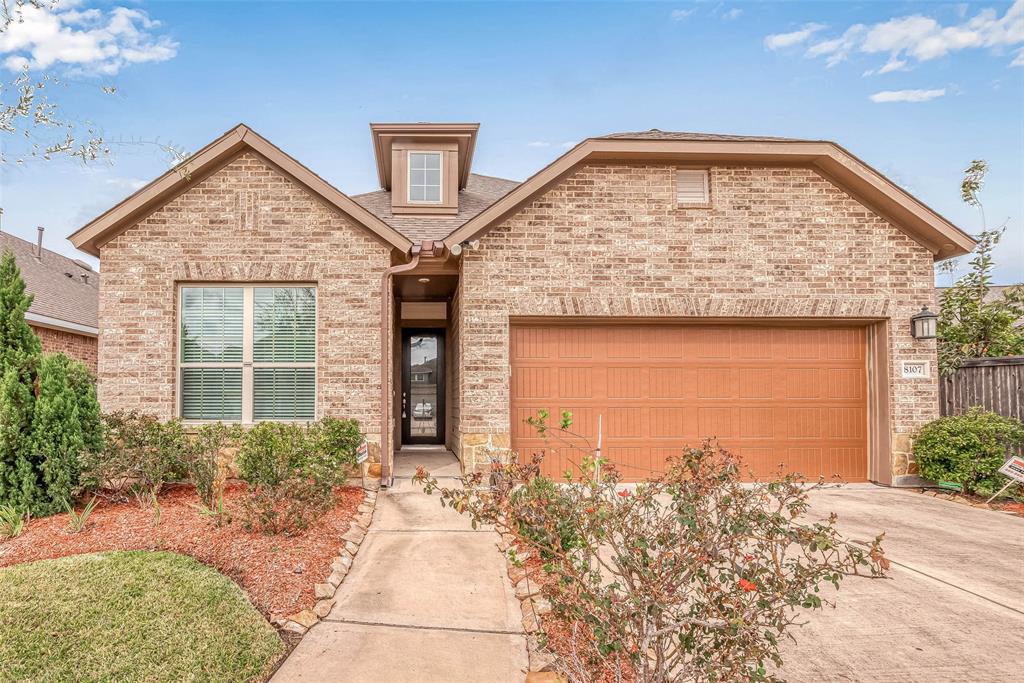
x: 129, y: 616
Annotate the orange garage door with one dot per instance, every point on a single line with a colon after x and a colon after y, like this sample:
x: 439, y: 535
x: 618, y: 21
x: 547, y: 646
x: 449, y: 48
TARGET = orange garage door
x: 790, y: 396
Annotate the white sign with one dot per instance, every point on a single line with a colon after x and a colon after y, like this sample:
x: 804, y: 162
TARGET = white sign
x: 362, y: 453
x: 917, y: 369
x: 1013, y: 468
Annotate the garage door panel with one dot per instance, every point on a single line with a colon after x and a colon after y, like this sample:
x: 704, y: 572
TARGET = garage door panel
x: 626, y: 381
x: 790, y: 395
x: 576, y: 382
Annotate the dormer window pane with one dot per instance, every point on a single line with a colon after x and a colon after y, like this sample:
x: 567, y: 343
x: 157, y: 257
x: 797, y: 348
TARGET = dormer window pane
x: 424, y: 176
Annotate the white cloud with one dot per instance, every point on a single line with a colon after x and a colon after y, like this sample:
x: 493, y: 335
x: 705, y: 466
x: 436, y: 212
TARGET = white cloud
x: 886, y: 96
x: 1019, y: 59
x: 919, y: 38
x: 681, y: 14
x: 127, y: 183
x: 778, y: 41
x: 91, y: 40
x: 734, y: 13
x: 538, y: 143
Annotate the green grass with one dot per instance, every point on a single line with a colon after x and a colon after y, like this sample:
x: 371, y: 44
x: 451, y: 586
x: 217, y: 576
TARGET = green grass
x: 129, y: 616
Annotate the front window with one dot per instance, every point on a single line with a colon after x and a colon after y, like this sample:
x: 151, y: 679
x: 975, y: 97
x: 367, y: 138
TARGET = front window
x: 248, y: 353
x: 424, y: 176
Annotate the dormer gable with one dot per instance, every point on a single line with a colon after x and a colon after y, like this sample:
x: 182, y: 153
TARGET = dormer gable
x: 424, y: 165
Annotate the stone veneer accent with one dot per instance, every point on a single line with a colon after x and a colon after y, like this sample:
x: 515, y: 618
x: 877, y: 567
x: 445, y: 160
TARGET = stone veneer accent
x: 78, y: 346
x: 609, y: 240
x: 246, y: 222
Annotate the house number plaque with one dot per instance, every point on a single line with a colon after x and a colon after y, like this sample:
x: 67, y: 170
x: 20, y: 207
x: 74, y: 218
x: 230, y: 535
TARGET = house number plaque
x: 916, y: 369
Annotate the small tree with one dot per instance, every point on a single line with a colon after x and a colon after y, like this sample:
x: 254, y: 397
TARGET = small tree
x: 969, y: 326
x: 49, y: 415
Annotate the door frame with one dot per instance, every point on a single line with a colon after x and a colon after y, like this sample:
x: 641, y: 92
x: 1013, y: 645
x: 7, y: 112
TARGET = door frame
x: 442, y: 386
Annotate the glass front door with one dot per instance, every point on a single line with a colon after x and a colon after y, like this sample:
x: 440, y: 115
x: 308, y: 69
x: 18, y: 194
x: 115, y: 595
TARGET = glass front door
x: 423, y: 386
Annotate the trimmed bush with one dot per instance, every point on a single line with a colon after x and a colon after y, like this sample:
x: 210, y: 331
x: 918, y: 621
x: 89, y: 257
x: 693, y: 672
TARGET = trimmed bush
x: 334, y: 442
x: 968, y: 449
x: 272, y: 452
x: 140, y: 456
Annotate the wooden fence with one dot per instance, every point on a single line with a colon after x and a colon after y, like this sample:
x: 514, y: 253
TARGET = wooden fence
x: 996, y: 384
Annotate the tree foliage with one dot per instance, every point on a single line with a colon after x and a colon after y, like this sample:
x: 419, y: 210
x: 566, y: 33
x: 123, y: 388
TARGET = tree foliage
x: 49, y: 416
x: 969, y: 326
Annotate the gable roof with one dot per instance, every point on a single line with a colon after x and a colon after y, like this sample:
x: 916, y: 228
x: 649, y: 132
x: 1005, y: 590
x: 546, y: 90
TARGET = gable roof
x: 214, y: 156
x: 835, y: 163
x: 481, y: 191
x: 62, y: 298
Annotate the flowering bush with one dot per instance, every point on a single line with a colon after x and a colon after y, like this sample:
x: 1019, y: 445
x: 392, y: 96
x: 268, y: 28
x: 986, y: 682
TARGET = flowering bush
x: 691, y: 576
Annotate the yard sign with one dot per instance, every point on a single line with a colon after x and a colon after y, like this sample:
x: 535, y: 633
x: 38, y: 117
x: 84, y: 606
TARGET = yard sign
x: 362, y: 453
x: 1014, y: 469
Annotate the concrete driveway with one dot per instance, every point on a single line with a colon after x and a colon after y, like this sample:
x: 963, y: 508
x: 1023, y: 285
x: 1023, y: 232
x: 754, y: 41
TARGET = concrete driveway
x: 953, y: 609
x: 428, y: 599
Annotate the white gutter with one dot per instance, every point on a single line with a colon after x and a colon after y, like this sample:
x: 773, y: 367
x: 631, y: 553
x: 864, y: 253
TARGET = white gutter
x: 62, y: 325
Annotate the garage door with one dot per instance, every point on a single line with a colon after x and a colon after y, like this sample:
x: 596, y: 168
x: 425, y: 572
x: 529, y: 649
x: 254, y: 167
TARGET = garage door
x: 789, y: 396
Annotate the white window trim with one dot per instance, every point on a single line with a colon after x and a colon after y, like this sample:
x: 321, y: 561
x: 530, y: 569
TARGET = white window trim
x: 408, y: 179
x: 247, y: 363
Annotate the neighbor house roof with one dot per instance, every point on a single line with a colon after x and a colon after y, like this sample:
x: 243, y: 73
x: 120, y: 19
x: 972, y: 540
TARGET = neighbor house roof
x: 65, y: 291
x: 207, y: 160
x: 481, y: 191
x: 861, y: 181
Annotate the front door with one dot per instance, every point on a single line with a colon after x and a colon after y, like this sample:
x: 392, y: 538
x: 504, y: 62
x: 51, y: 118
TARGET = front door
x: 423, y: 386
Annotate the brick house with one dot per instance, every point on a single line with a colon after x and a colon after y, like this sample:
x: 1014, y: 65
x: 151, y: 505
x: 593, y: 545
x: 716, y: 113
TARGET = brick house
x: 667, y: 286
x: 65, y: 298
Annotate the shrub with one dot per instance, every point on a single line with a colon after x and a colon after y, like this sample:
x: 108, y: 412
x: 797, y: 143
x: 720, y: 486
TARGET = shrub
x: 12, y: 521
x: 286, y: 507
x: 49, y: 416
x: 334, y: 442
x: 690, y: 576
x: 547, y: 512
x: 77, y: 520
x: 968, y: 449
x: 206, y: 466
x: 272, y: 452
x: 141, y: 454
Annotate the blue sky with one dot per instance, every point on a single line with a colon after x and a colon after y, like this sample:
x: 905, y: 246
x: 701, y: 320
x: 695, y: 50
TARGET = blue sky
x: 917, y: 90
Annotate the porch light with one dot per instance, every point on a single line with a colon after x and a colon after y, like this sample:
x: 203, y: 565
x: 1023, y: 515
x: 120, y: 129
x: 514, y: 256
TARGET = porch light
x: 424, y: 280
x: 923, y: 324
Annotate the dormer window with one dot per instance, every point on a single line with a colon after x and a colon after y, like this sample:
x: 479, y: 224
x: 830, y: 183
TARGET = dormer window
x: 425, y: 177
x: 424, y: 165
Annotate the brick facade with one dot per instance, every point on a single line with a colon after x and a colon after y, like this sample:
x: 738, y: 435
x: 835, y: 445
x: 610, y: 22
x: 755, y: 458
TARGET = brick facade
x: 609, y: 240
x: 246, y: 222
x: 78, y: 346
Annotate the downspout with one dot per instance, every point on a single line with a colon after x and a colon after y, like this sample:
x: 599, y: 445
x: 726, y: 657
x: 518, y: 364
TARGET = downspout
x: 385, y: 363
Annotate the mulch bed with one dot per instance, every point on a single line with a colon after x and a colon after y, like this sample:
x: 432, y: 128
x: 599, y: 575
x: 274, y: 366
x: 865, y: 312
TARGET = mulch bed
x: 1009, y: 506
x: 276, y: 572
x: 558, y: 632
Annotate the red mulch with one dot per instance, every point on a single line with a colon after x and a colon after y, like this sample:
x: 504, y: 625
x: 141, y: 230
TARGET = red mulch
x: 1012, y: 507
x: 276, y: 572
x: 559, y: 632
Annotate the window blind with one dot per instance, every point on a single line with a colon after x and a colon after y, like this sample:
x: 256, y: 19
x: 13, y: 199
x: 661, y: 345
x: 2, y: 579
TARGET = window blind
x: 284, y: 325
x: 211, y: 393
x: 284, y: 394
x: 211, y: 324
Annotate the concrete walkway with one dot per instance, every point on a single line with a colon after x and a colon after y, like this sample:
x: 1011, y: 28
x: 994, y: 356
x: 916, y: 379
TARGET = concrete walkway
x: 427, y: 599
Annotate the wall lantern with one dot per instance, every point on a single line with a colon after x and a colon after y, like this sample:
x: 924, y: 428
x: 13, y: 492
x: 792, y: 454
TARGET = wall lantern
x: 923, y: 325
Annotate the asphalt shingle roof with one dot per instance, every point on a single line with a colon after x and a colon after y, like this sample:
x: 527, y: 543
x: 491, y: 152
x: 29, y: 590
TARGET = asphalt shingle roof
x: 655, y: 134
x: 481, y: 191
x: 56, y: 282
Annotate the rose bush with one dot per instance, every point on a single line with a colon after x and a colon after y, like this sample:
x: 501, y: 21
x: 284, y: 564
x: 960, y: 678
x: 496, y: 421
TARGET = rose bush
x: 691, y: 576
